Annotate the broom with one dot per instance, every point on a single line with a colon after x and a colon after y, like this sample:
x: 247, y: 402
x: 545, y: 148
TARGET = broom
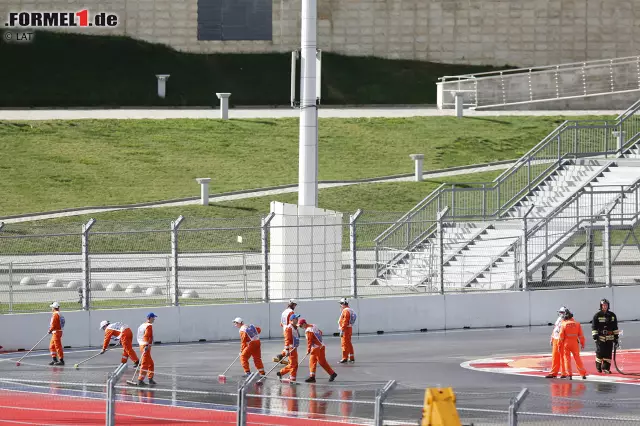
x: 288, y: 380
x: 222, y: 378
x: 132, y: 382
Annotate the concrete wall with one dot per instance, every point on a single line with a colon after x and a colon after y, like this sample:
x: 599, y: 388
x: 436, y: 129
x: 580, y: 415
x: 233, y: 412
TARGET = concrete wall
x: 388, y: 314
x: 498, y: 32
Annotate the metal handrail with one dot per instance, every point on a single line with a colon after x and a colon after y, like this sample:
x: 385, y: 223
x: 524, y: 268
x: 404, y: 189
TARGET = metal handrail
x: 630, y: 189
x: 564, y: 66
x: 525, y: 161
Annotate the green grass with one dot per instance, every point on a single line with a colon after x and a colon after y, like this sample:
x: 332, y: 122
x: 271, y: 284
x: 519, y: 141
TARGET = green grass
x: 117, y: 303
x: 382, y: 203
x: 63, y: 164
x: 120, y: 71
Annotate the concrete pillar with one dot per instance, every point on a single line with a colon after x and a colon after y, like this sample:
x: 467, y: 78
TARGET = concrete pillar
x: 459, y: 100
x: 204, y: 190
x: 224, y: 105
x: 419, y: 159
x: 162, y: 84
x: 620, y: 139
x: 308, y: 139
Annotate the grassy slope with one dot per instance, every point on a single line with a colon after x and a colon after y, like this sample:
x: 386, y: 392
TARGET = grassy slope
x: 62, y: 164
x: 120, y: 71
x: 373, y: 197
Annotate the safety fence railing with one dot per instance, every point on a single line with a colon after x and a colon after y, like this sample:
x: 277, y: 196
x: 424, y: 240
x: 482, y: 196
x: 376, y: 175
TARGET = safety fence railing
x: 541, y: 84
x: 459, y: 255
x: 567, y: 144
x: 101, y: 395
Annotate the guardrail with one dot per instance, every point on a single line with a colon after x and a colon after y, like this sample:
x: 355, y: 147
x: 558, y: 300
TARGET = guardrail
x: 542, y: 84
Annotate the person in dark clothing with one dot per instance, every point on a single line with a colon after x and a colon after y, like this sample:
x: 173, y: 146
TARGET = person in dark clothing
x: 604, y: 330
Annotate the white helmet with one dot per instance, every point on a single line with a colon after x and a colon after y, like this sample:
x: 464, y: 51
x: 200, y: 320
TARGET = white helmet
x: 293, y: 301
x: 54, y: 305
x: 344, y: 301
x: 103, y: 324
x: 238, y: 320
x: 562, y: 310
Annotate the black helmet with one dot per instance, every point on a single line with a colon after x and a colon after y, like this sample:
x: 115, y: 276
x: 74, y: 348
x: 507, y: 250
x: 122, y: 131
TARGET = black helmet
x: 567, y: 314
x: 603, y: 301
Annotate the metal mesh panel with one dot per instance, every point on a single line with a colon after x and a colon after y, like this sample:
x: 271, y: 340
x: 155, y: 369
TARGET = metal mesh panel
x: 32, y: 286
x: 220, y: 261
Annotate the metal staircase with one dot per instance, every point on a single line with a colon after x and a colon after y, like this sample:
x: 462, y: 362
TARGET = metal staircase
x: 481, y: 234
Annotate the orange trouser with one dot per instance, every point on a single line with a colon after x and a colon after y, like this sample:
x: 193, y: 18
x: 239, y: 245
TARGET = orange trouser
x: 252, y: 350
x: 55, y: 345
x: 146, y: 364
x: 127, y: 349
x: 347, y: 347
x: 318, y: 357
x: 292, y: 367
x: 573, y: 348
x: 557, y: 359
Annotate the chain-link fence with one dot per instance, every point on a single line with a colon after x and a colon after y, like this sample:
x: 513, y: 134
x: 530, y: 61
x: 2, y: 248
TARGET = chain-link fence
x: 243, y: 260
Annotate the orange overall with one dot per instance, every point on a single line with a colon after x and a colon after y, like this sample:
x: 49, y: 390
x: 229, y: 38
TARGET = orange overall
x: 121, y: 331
x: 55, y: 329
x: 316, y: 349
x: 145, y: 340
x: 346, y: 330
x: 557, y: 356
x: 285, y: 317
x: 570, y: 335
x: 291, y: 343
x: 250, y: 347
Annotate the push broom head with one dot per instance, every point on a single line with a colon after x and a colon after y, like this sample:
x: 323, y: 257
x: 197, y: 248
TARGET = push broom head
x: 222, y: 378
x: 18, y: 364
x: 76, y: 366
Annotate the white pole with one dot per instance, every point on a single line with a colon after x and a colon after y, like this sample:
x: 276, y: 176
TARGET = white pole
x: 308, y: 155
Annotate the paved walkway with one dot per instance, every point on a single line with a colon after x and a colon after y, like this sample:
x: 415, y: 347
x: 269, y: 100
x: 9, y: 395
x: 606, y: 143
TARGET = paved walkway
x: 165, y: 113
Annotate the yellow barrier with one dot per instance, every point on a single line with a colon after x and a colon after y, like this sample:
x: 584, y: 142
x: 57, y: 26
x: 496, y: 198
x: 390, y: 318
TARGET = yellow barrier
x: 440, y: 408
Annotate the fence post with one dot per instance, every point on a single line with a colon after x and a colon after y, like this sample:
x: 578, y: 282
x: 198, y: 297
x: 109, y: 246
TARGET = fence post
x: 174, y: 259
x: 606, y: 243
x: 10, y: 287
x: 264, y: 231
x: 86, y: 267
x: 352, y: 248
x: 525, y: 249
x: 589, y: 256
x: 242, y: 399
x: 167, y: 273
x: 440, y: 229
x: 111, y: 394
x: 381, y: 395
x: 515, y: 404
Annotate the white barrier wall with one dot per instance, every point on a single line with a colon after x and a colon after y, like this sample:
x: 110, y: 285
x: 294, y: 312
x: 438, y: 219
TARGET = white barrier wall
x: 388, y: 314
x: 487, y: 310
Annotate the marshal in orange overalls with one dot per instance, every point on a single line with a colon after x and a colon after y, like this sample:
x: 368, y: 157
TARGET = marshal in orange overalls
x: 250, y: 347
x: 291, y: 343
x: 145, y: 340
x: 55, y: 345
x: 346, y: 330
x: 122, y: 332
x: 570, y: 335
x: 557, y: 356
x: 316, y: 349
